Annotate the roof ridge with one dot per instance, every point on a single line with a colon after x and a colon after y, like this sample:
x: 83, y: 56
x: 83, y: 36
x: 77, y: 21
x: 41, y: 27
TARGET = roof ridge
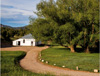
x: 28, y: 36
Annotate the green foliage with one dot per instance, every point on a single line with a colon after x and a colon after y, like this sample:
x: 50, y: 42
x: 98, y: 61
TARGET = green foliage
x: 70, y: 22
x: 43, y: 29
x: 6, y: 33
x: 9, y: 34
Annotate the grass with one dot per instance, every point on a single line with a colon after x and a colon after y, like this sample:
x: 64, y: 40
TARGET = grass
x: 10, y: 64
x: 62, y: 56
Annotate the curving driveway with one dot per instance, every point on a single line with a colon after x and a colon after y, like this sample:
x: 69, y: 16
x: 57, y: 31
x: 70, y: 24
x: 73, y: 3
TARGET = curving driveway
x: 31, y: 63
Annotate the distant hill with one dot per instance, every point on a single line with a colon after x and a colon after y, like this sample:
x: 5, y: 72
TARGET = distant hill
x: 1, y: 25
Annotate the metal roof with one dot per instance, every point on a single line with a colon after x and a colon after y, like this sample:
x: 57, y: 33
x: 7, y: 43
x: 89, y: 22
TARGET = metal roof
x: 29, y: 36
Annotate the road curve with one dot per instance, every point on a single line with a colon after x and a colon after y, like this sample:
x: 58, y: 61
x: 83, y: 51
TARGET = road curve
x: 30, y: 62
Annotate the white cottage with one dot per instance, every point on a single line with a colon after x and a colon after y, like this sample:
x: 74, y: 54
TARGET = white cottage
x: 26, y: 40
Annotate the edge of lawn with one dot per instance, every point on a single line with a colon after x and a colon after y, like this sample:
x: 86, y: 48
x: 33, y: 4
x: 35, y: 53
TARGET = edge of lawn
x: 39, y: 57
x: 17, y: 63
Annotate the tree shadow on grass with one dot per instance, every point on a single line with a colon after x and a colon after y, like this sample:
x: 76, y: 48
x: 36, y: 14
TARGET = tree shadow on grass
x: 17, y: 59
x: 63, y: 49
x: 92, y: 50
x: 79, y: 50
x: 41, y: 45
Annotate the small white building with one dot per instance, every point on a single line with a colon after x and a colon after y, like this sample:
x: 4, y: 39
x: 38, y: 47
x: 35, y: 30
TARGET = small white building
x: 26, y: 40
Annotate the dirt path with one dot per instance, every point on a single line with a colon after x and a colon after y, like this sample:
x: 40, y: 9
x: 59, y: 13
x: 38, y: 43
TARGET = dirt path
x: 30, y: 63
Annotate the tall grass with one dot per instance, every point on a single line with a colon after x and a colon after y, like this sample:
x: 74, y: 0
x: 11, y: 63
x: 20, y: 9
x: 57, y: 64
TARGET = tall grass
x: 62, y: 56
x: 10, y: 65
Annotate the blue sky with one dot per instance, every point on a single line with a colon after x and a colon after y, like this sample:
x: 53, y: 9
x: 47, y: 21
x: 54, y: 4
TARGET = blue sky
x: 16, y: 13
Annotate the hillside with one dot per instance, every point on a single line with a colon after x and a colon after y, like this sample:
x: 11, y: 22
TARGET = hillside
x: 1, y: 25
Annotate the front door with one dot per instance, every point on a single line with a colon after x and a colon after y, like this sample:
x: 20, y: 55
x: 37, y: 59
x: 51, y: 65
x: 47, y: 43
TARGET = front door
x: 19, y: 43
x: 31, y: 43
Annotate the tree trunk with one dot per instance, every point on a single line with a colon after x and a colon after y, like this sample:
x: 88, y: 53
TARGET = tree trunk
x: 92, y: 28
x: 87, y: 50
x: 72, y: 49
x: 97, y: 47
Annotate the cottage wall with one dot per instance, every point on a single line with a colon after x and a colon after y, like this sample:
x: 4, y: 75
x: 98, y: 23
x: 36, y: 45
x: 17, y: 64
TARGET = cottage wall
x: 14, y: 43
x: 28, y: 42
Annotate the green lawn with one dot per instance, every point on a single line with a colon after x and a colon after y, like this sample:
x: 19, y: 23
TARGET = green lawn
x: 62, y: 56
x: 10, y: 64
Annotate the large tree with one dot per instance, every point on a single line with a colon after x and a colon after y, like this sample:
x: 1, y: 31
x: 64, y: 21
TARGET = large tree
x: 86, y: 13
x: 68, y: 22
x: 60, y: 16
x: 42, y: 29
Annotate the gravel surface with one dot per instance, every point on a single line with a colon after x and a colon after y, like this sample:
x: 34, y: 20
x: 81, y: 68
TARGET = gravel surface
x: 30, y: 62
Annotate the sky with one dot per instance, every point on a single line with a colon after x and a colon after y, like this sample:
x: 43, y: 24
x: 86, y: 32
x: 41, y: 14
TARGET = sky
x: 16, y: 13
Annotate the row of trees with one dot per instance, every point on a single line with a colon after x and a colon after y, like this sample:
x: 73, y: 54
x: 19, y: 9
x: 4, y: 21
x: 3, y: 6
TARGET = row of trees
x: 69, y: 22
x: 9, y: 34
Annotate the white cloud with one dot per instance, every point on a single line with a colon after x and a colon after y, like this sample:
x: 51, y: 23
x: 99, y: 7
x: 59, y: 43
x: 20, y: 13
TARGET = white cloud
x: 14, y: 12
x: 22, y: 4
x: 17, y: 12
x: 20, y: 7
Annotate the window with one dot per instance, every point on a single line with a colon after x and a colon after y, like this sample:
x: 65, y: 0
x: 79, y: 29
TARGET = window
x: 23, y: 41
